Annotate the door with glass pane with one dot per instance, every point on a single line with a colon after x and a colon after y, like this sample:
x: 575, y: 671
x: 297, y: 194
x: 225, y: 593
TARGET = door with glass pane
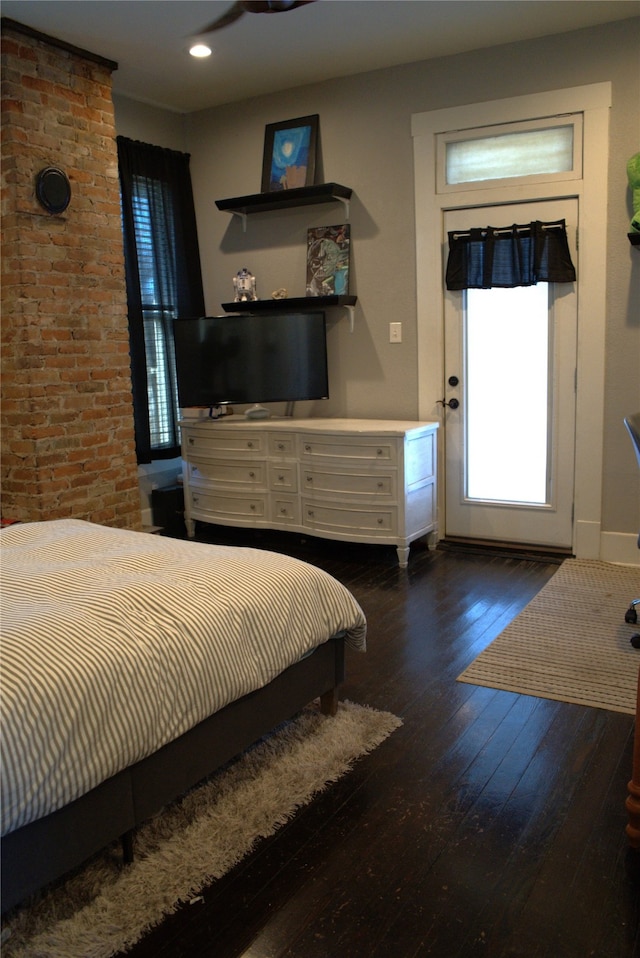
x: 509, y: 418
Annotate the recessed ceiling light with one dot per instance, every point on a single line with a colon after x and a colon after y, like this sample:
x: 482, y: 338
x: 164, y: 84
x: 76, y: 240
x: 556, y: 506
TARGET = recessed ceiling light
x: 200, y: 50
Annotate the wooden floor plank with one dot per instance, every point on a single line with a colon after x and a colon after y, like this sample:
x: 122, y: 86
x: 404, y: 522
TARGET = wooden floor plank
x: 489, y: 824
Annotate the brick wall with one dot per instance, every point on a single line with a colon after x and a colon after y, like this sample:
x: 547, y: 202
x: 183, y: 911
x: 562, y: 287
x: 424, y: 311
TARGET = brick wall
x: 67, y: 442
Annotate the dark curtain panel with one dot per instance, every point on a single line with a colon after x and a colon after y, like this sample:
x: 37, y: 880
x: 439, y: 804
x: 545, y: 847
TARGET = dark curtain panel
x: 162, y: 265
x: 509, y: 256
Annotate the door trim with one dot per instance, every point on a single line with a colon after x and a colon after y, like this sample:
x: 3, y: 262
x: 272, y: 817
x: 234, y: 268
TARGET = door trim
x: 594, y: 101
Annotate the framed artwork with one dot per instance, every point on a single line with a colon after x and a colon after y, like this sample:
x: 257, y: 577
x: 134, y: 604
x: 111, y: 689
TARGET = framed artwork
x: 289, y: 159
x: 328, y: 249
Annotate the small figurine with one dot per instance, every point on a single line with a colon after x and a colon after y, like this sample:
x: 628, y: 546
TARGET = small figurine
x: 244, y: 284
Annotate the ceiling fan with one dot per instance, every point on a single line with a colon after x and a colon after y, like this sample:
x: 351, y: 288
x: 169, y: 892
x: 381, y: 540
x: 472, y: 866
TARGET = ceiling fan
x: 241, y: 7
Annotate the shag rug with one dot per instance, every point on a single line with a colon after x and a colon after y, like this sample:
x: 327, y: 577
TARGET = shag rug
x: 571, y: 642
x: 105, y: 909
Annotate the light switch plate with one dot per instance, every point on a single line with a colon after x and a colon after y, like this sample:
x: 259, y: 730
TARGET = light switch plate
x: 395, y: 332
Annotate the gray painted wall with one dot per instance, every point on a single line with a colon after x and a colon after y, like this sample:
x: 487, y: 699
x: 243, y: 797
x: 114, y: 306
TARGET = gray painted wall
x: 365, y: 130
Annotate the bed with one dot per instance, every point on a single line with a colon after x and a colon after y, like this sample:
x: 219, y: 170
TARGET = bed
x: 133, y: 666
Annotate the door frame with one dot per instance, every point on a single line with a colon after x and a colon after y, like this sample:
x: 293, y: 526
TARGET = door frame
x: 594, y: 102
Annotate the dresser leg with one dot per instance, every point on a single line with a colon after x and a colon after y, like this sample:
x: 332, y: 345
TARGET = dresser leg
x: 432, y: 541
x: 403, y: 556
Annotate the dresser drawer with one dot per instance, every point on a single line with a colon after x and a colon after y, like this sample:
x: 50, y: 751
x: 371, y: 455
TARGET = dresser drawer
x: 345, y: 449
x: 247, y: 475
x: 224, y: 443
x: 331, y: 482
x: 285, y: 510
x: 214, y: 506
x: 323, y: 517
x: 283, y: 476
x: 281, y: 445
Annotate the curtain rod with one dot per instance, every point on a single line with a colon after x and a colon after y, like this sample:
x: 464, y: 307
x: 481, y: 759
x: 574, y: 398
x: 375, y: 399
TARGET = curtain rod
x: 506, y: 229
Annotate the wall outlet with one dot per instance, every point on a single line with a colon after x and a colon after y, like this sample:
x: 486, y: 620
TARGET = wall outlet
x: 395, y: 332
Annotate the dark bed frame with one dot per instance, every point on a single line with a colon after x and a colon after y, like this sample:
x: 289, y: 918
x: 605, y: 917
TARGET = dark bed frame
x: 45, y: 850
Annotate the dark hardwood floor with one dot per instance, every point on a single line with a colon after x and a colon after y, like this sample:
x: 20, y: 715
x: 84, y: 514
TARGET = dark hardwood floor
x: 490, y: 824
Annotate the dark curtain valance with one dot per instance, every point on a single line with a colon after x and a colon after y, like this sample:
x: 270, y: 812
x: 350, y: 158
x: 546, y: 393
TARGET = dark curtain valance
x: 510, y: 256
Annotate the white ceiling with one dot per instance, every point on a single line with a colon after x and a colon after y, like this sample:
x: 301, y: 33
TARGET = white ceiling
x: 264, y: 53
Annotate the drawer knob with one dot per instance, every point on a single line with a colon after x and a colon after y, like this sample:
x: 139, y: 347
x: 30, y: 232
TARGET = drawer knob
x: 280, y: 478
x: 195, y: 498
x: 191, y: 440
x: 380, y: 521
x: 249, y: 445
x: 283, y: 511
x: 378, y: 452
x: 307, y: 448
x: 309, y: 478
x: 252, y: 507
x: 281, y: 446
x: 310, y: 513
x: 252, y: 475
x: 380, y: 485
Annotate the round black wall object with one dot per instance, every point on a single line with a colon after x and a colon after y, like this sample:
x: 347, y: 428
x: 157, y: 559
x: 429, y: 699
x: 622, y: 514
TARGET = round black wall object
x: 53, y: 189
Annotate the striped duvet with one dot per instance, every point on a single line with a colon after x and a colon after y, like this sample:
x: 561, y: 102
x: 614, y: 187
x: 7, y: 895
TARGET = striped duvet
x: 116, y: 642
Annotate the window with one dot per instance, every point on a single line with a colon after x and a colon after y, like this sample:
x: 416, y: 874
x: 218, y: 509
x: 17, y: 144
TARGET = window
x: 164, y: 282
x: 157, y: 320
x: 502, y: 326
x: 535, y: 149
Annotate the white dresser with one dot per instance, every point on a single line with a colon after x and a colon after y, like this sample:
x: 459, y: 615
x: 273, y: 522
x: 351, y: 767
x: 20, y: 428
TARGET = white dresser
x: 360, y: 480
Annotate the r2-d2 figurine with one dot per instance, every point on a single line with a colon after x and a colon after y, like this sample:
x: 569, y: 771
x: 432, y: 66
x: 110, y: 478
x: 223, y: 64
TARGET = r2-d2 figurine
x: 244, y: 284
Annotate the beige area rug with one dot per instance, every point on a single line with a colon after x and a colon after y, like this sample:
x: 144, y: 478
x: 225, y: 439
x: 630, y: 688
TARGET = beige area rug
x: 106, y: 909
x: 571, y: 642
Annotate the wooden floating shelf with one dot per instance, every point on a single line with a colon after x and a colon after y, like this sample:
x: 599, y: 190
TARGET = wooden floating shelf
x: 295, y: 304
x: 243, y: 206
x: 285, y: 199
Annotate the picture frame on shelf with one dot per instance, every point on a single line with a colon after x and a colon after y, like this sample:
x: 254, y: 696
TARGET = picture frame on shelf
x: 290, y: 154
x: 328, y: 260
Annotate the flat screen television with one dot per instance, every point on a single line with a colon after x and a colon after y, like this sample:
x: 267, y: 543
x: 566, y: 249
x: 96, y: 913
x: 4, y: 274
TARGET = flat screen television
x: 251, y: 358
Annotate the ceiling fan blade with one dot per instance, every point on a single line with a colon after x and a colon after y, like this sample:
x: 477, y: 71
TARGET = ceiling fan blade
x: 251, y: 6
x: 273, y: 6
x: 233, y: 13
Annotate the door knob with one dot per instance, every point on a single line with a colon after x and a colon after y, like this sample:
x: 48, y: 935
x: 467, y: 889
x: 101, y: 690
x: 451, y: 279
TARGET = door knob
x: 452, y: 404
x: 453, y: 380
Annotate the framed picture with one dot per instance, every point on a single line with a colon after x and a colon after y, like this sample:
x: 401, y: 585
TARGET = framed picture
x: 289, y: 159
x: 328, y: 250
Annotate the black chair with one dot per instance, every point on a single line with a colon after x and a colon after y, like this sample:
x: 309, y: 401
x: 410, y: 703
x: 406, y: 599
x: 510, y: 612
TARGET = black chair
x: 631, y: 615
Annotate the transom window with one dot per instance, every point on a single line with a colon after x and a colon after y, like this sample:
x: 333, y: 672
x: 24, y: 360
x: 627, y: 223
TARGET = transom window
x: 535, y: 150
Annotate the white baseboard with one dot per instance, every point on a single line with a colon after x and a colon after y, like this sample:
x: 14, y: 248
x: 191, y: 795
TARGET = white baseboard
x: 591, y: 543
x: 620, y: 547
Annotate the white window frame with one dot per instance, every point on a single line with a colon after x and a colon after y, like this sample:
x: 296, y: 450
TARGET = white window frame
x: 593, y: 102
